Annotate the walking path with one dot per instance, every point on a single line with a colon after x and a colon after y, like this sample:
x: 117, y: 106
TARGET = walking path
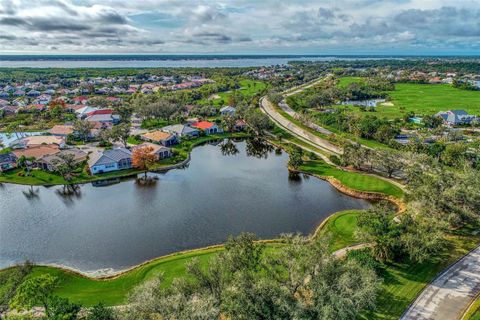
x: 450, y: 294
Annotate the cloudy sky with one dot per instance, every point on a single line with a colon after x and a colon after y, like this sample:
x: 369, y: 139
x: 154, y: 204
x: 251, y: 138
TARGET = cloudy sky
x: 240, y: 26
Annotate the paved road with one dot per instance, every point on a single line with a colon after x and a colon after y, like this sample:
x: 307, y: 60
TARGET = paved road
x: 318, y: 142
x: 448, y: 296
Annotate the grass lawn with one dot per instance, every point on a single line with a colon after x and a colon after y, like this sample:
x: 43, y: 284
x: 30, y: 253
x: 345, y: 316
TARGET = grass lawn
x: 423, y: 99
x: 248, y: 88
x: 341, y: 226
x: 353, y: 180
x: 403, y: 282
x: 473, y: 313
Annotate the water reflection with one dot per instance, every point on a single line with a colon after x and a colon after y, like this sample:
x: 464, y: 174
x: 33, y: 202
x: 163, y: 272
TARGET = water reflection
x: 32, y: 193
x: 258, y: 148
x: 126, y: 223
x: 69, y: 193
x: 228, y: 148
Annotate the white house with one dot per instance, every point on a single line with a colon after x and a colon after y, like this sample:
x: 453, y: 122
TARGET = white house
x: 110, y: 160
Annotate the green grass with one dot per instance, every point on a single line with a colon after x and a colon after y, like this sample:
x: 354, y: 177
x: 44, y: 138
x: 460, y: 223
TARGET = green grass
x: 473, y: 313
x: 248, y: 88
x: 353, y: 180
x: 422, y: 99
x: 403, y: 282
x: 341, y: 228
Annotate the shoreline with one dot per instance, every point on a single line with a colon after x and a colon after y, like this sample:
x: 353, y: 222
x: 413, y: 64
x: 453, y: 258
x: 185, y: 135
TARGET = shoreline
x: 114, y: 274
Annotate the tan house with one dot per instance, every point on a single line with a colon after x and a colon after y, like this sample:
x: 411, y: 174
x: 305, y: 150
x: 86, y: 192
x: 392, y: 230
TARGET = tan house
x: 160, y: 152
x: 158, y: 136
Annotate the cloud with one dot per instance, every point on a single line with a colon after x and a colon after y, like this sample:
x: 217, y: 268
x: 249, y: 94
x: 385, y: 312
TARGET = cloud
x: 301, y: 26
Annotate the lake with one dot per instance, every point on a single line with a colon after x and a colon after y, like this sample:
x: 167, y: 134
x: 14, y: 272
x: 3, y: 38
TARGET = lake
x: 161, y: 61
x: 117, y: 226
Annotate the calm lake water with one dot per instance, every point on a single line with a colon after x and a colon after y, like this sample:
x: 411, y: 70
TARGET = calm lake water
x: 162, y: 61
x: 124, y: 224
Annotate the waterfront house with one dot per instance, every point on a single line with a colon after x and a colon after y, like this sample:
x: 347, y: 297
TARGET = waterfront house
x: 61, y: 130
x: 181, y: 130
x: 37, y: 152
x: 456, y: 117
x: 110, y: 160
x: 164, y: 138
x: 160, y: 152
x: 207, y: 127
x: 227, y: 111
x: 8, y: 161
x: 240, y: 125
x: 51, y: 162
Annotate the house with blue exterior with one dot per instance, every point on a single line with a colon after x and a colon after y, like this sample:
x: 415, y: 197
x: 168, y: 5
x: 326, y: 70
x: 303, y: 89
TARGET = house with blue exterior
x: 110, y: 160
x: 8, y: 161
x: 456, y: 117
x: 227, y: 111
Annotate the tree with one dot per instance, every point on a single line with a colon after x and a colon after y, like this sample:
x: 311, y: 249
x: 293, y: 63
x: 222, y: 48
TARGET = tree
x: 120, y: 133
x: 378, y: 227
x: 62, y: 309
x: 100, y: 312
x: 25, y: 162
x: 36, y: 291
x: 454, y: 154
x: 244, y: 281
x: 82, y: 129
x: 65, y: 165
x: 295, y: 160
x: 229, y: 122
x: 143, y: 158
x: 257, y: 122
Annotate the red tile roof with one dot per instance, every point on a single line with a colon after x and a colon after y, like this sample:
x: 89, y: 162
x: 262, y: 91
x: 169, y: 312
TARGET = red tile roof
x: 100, y: 111
x: 203, y: 125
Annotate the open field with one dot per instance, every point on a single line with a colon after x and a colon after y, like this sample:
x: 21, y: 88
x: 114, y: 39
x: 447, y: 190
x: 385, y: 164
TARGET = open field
x: 423, y: 99
x: 248, y: 88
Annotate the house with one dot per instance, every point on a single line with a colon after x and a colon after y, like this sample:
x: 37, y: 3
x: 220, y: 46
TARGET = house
x: 207, y: 127
x: 38, y: 140
x: 227, y: 111
x: 84, y: 111
x: 455, y: 117
x: 104, y: 118
x: 181, y: 130
x: 164, y: 138
x: 240, y: 125
x: 8, y: 161
x: 37, y: 152
x: 110, y: 160
x: 50, y: 162
x: 160, y: 152
x: 61, y: 130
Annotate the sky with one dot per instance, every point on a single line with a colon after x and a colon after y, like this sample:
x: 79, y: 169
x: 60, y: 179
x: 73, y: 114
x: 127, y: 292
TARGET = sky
x: 240, y: 27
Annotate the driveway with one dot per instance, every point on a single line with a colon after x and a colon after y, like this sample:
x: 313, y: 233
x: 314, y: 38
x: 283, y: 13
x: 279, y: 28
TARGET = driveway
x: 448, y: 296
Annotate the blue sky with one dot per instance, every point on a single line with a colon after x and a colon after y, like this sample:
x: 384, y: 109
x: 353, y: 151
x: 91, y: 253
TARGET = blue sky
x: 240, y: 26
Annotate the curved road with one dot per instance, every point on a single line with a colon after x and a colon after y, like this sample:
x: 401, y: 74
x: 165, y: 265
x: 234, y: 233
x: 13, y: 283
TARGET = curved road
x: 450, y: 294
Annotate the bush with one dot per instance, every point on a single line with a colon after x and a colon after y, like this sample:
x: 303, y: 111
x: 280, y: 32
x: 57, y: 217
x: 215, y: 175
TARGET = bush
x: 336, y: 160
